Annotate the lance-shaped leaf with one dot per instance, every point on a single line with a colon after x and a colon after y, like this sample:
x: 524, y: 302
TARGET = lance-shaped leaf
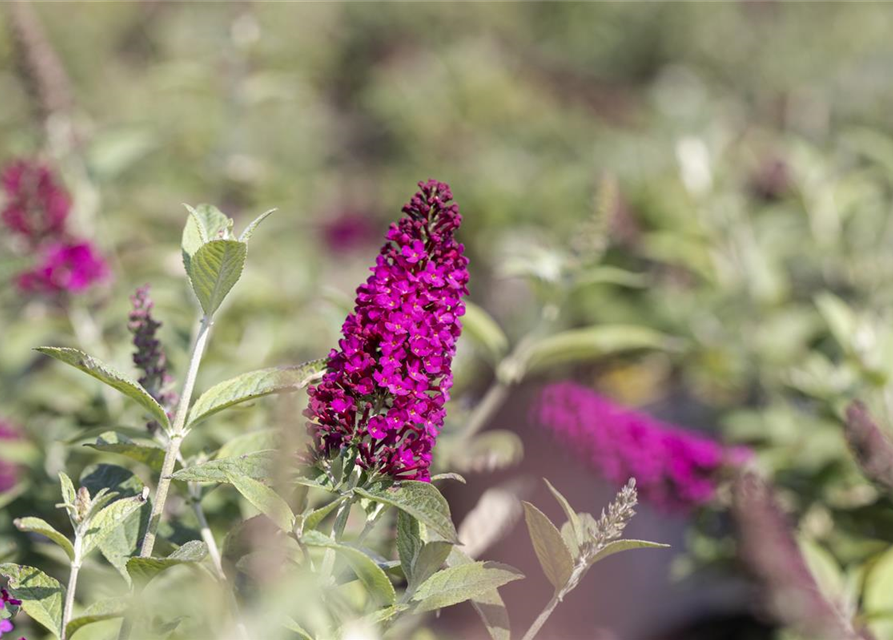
x: 488, y: 604
x: 150, y: 455
x: 104, y: 373
x: 460, y: 583
x: 107, y: 609
x: 253, y: 385
x: 484, y: 330
x: 264, y: 499
x: 250, y: 442
x: 422, y: 501
x: 409, y: 541
x: 249, y: 230
x: 109, y: 519
x: 315, y: 517
x: 42, y: 596
x: 572, y: 517
x: 214, y: 270
x: 579, y: 345
x: 142, y: 570
x: 554, y: 556
x: 366, y: 569
x: 258, y: 465
x: 428, y: 561
x: 624, y: 545
x: 36, y: 525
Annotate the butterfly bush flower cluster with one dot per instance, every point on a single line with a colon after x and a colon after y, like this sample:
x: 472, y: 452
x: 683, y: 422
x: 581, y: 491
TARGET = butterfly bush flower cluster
x: 149, y: 356
x: 5, y: 623
x: 674, y: 469
x: 8, y: 471
x: 35, y: 211
x: 388, y: 380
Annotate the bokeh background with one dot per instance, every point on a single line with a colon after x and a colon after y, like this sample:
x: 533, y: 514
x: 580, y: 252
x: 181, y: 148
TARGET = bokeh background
x: 730, y: 166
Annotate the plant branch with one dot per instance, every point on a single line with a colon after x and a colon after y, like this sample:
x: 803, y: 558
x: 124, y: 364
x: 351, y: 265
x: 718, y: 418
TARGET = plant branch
x: 68, y: 611
x: 541, y: 619
x: 176, y: 438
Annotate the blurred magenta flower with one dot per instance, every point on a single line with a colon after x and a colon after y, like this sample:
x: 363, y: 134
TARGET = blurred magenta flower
x: 9, y: 474
x: 389, y: 378
x: 674, y: 468
x: 64, y: 267
x: 36, y: 204
x: 348, y: 231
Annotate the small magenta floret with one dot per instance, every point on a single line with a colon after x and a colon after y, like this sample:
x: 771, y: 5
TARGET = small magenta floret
x: 36, y: 204
x: 64, y: 267
x: 389, y: 378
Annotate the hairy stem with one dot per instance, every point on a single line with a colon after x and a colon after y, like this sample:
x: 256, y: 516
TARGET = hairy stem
x: 541, y: 619
x: 68, y: 611
x: 176, y: 438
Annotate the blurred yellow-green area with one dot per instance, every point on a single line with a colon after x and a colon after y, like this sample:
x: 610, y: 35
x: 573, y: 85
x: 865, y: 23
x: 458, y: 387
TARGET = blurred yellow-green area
x: 712, y: 182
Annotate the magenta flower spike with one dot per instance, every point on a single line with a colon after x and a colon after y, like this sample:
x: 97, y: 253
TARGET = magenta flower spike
x: 64, y: 267
x: 389, y: 378
x: 149, y: 356
x: 674, y: 469
x: 36, y: 205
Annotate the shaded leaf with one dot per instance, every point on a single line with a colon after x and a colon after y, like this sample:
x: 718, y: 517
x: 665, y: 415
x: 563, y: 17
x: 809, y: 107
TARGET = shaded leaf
x: 580, y: 345
x: 142, y: 570
x: 258, y: 466
x: 214, y: 270
x: 205, y: 223
x: 366, y: 569
x: 42, y: 596
x: 572, y: 517
x: 463, y: 582
x: 109, y: 519
x: 488, y: 604
x: 36, y: 525
x: 554, y: 556
x: 625, y: 545
x: 150, y: 455
x: 107, y: 609
x: 422, y: 501
x: 251, y: 442
x: 265, y: 500
x: 428, y: 561
x: 312, y: 520
x: 491, y: 450
x: 484, y: 330
x: 448, y: 476
x: 104, y: 373
x: 409, y: 541
x: 255, y: 384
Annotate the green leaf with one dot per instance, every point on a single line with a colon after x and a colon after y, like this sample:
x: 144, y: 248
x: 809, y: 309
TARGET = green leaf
x: 554, y: 556
x: 109, y: 519
x: 69, y: 495
x: 366, y: 569
x: 140, y: 433
x: 409, y: 541
x: 107, y: 609
x: 294, y: 627
x: 312, y: 520
x: 205, y: 223
x: 250, y: 442
x: 610, y: 275
x: 36, y: 525
x: 877, y: 597
x: 258, y: 466
x: 42, y: 596
x: 214, y: 270
x: 253, y: 385
x: 841, y: 319
x: 104, y: 373
x: 580, y: 345
x: 460, y: 583
x: 249, y: 230
x: 488, y: 604
x: 624, y: 545
x: 142, y: 570
x: 485, y: 331
x: 265, y: 500
x: 150, y: 455
x: 123, y: 542
x: 572, y: 517
x: 491, y: 450
x: 430, y: 558
x: 448, y: 476
x: 422, y: 501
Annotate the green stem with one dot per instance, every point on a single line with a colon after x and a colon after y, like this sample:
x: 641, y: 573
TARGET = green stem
x: 68, y: 611
x: 176, y: 438
x: 485, y: 410
x: 572, y: 582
